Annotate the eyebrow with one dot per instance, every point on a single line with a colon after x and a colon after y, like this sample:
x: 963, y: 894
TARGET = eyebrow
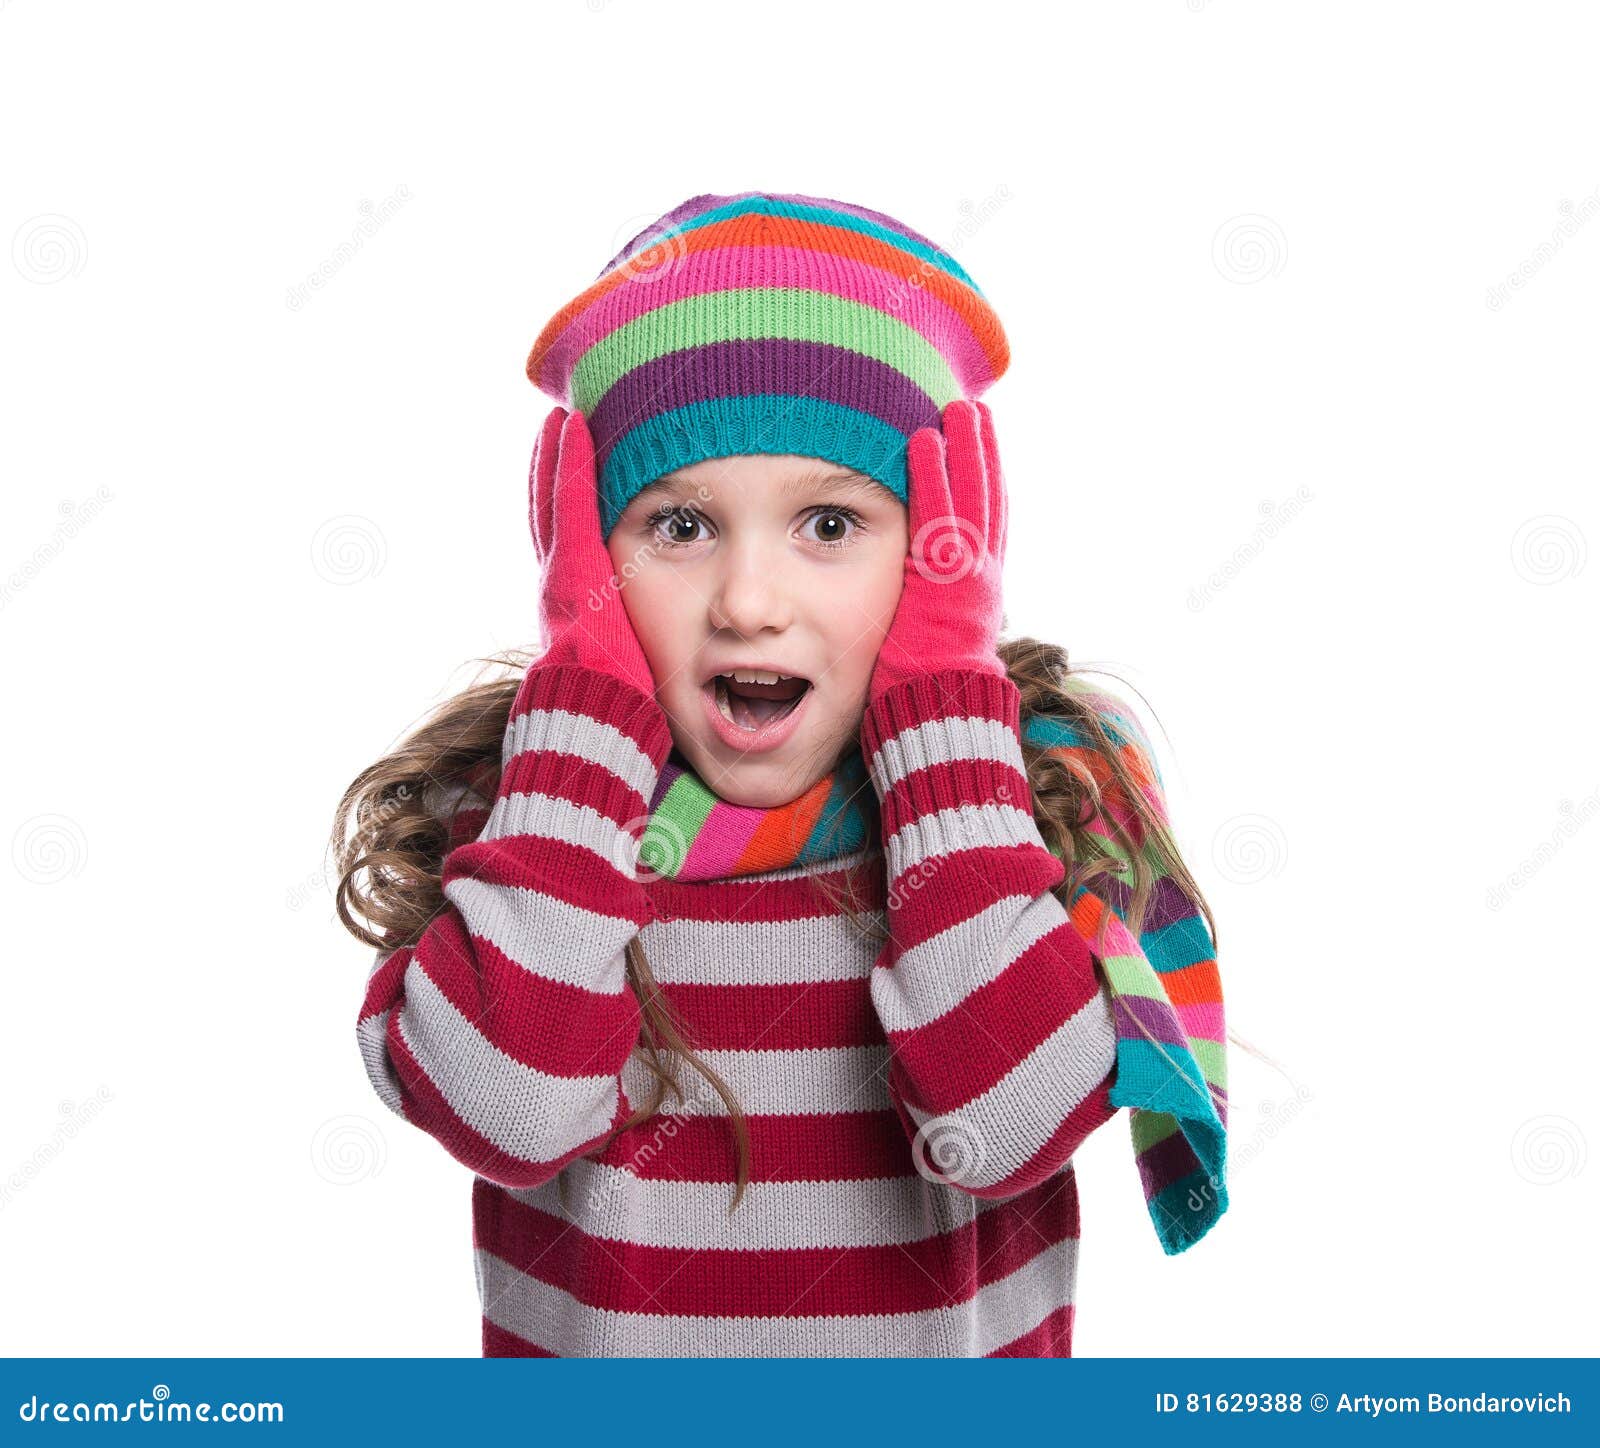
x: 817, y: 480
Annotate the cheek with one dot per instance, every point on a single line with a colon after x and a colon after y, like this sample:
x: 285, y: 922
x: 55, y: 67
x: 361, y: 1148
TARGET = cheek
x: 860, y: 625
x: 653, y: 606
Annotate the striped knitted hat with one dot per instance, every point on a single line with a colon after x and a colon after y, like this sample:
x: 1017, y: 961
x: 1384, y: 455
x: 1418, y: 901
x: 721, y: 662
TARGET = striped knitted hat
x: 762, y: 323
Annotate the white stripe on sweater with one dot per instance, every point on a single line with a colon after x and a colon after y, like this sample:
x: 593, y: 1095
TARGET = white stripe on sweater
x: 759, y: 952
x: 941, y: 741
x: 1000, y: 1312
x: 527, y: 1113
x: 563, y: 732
x: 549, y: 817
x: 612, y: 1203
x: 931, y: 979
x: 778, y: 1082
x: 544, y: 934
x: 963, y: 827
x: 1001, y: 1129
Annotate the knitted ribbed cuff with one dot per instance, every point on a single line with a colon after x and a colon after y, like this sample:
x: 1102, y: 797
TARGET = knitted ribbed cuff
x: 968, y: 720
x: 568, y: 724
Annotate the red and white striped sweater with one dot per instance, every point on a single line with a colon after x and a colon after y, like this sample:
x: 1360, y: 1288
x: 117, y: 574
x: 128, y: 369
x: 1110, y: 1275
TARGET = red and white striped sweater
x: 980, y: 1031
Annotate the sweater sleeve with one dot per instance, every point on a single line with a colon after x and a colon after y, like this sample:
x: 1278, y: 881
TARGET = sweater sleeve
x: 503, y: 1030
x: 1002, y: 1047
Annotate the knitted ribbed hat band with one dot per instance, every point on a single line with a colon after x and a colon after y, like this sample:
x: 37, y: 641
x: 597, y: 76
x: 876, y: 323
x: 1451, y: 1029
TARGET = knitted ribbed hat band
x: 763, y: 323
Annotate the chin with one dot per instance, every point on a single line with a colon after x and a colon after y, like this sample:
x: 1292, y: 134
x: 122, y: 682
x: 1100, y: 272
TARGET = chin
x: 761, y: 781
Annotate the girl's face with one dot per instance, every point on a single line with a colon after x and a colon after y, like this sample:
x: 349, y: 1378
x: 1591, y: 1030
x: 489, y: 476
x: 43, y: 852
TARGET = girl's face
x: 785, y: 564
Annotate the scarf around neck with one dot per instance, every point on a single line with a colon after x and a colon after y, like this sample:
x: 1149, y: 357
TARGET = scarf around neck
x: 1165, y: 990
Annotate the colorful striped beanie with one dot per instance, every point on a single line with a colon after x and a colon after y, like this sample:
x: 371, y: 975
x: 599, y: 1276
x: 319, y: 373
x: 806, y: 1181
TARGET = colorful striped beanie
x: 763, y: 323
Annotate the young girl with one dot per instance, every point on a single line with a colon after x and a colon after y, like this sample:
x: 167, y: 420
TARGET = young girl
x: 768, y: 944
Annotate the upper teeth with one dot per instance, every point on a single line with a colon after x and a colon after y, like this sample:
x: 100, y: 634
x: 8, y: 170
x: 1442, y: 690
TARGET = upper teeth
x: 755, y: 676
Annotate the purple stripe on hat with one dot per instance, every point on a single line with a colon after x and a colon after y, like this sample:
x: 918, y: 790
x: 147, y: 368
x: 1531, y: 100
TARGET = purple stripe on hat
x: 758, y: 365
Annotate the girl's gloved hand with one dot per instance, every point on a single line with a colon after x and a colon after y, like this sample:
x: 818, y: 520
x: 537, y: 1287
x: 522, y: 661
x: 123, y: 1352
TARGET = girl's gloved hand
x: 949, y: 613
x: 581, y: 614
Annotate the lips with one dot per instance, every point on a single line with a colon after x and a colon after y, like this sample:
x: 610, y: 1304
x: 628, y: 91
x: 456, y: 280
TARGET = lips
x: 754, y: 708
x: 751, y: 703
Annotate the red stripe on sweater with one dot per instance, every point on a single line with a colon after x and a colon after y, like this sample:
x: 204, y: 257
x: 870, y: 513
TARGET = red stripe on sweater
x: 800, y: 1016
x: 964, y: 1052
x: 1051, y: 1338
x: 619, y: 1276
x: 950, y: 784
x: 497, y: 1342
x: 427, y: 1108
x: 749, y: 902
x: 854, y: 1146
x: 561, y: 1029
x: 569, y: 872
x: 945, y: 890
x: 575, y: 779
x: 1091, y: 1114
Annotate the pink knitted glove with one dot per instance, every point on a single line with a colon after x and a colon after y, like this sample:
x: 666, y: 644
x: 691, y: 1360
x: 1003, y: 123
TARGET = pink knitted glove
x: 949, y: 613
x: 581, y: 614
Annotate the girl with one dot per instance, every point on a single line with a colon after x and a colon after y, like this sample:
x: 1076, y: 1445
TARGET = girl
x: 775, y: 826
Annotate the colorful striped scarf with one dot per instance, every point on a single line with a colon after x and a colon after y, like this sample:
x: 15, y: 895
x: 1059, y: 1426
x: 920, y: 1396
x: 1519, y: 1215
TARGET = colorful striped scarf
x: 1165, y: 989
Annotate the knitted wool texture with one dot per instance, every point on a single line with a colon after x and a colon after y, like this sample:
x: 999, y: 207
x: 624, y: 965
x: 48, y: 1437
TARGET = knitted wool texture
x: 1165, y: 987
x: 767, y: 323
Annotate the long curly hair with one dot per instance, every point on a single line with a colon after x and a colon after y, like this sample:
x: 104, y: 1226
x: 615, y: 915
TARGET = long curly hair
x: 393, y: 829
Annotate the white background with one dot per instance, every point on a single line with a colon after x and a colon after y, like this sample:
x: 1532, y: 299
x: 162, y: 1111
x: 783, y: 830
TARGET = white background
x: 1277, y: 454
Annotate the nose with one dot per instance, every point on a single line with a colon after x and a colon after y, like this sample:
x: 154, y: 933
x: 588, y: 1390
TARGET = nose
x: 751, y: 592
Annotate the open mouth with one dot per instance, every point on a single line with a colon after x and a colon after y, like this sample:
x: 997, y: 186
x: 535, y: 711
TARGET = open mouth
x: 750, y: 699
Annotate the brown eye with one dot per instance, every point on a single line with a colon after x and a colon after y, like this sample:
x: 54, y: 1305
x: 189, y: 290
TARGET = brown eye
x: 675, y: 527
x: 835, y: 527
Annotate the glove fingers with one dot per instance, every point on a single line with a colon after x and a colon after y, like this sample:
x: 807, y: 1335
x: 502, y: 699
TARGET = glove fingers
x: 927, y: 485
x: 999, y: 504
x: 576, y: 510
x: 541, y: 484
x: 969, y: 486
